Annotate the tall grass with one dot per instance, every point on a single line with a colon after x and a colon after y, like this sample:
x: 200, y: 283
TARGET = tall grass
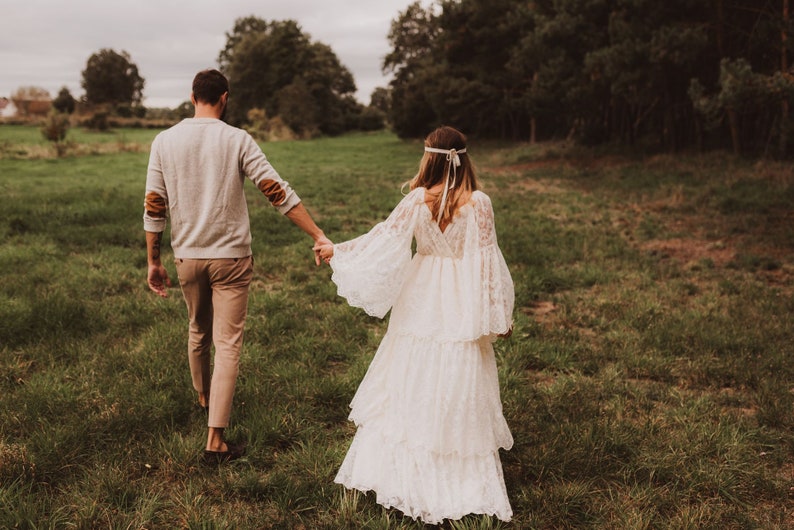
x: 648, y: 383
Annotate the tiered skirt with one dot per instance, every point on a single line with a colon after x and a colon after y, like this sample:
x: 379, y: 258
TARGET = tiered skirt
x: 429, y: 428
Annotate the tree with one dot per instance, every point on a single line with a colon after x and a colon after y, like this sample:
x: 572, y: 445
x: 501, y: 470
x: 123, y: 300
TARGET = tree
x: 275, y: 67
x: 184, y: 110
x: 450, y: 66
x: 31, y: 101
x: 412, y: 37
x: 371, y: 119
x: 380, y: 99
x: 65, y: 102
x: 745, y: 97
x: 112, y: 79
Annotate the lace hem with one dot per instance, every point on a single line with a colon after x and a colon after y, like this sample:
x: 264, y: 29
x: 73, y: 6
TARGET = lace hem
x: 422, y: 484
x: 371, y: 277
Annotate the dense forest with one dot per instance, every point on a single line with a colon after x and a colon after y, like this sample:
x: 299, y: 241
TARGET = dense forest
x: 673, y: 74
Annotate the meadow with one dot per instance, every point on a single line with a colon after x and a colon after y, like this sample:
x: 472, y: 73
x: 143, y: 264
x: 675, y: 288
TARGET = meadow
x: 648, y: 382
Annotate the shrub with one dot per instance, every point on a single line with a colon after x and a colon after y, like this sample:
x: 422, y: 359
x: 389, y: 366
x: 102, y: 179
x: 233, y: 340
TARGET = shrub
x: 99, y: 121
x: 55, y: 128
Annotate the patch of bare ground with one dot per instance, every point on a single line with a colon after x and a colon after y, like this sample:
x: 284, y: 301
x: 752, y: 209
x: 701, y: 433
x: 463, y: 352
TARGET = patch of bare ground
x: 541, y: 379
x: 709, y: 237
x: 547, y: 314
x: 691, y: 251
x: 697, y: 249
x: 541, y: 310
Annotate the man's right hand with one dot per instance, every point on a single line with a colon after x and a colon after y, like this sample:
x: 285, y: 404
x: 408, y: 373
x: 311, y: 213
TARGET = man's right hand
x: 321, y: 243
x: 158, y: 280
x: 324, y: 252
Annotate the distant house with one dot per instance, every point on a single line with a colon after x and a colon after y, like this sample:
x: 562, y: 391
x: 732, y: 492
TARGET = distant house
x: 39, y: 107
x: 7, y: 108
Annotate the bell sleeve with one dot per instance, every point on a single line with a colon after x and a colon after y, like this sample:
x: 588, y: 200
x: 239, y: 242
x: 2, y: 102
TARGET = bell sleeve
x: 495, y: 285
x: 369, y: 270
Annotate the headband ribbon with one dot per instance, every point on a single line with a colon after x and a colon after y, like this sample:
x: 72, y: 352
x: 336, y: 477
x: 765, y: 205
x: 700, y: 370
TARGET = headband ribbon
x: 454, y: 163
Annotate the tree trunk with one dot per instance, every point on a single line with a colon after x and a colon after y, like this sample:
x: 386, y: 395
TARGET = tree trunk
x: 733, y: 122
x: 698, y: 133
x: 784, y: 105
x: 720, y: 28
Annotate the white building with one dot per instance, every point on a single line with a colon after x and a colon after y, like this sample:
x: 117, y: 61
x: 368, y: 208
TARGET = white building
x: 7, y: 108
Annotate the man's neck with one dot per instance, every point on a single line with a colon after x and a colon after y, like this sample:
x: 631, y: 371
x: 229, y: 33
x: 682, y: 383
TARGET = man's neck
x: 206, y: 110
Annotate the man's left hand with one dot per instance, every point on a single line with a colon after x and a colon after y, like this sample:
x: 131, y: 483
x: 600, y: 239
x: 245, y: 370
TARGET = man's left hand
x: 158, y: 280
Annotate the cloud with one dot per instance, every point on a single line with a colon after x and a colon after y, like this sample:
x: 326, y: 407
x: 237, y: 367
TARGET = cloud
x: 47, y: 43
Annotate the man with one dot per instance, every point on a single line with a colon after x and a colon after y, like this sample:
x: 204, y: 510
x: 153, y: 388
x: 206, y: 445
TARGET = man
x: 195, y: 177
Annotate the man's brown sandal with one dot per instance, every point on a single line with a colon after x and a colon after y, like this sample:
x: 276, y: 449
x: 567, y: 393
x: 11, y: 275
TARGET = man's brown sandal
x: 233, y: 452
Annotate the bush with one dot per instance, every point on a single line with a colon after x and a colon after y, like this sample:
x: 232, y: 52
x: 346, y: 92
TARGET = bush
x: 55, y: 129
x: 268, y: 129
x: 99, y: 121
x: 65, y: 102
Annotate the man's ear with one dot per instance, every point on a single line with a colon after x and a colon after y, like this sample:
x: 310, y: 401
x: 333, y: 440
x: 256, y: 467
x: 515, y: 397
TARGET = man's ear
x: 193, y: 99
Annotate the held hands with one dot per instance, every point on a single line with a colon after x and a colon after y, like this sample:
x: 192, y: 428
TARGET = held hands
x: 324, y: 252
x: 320, y: 247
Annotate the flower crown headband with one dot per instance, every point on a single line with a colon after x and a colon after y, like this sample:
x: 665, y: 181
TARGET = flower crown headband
x: 454, y: 163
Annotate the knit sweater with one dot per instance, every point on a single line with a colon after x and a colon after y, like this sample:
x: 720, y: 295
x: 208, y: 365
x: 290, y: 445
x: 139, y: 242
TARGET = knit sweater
x: 196, y: 173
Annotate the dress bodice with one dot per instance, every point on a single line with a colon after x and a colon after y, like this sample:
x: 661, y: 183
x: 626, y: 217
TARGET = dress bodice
x: 457, y: 285
x: 430, y: 240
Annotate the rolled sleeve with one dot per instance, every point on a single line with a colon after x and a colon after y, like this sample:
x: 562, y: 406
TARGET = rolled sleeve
x: 151, y: 224
x: 155, y: 206
x: 291, y: 201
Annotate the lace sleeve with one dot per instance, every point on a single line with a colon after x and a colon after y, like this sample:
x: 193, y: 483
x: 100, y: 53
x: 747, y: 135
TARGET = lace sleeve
x: 369, y: 270
x: 497, y: 294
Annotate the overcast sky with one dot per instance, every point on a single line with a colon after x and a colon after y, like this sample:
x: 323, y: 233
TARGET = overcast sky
x: 47, y: 43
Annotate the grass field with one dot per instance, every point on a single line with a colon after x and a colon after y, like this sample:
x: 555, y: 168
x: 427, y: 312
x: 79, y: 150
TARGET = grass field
x: 648, y: 384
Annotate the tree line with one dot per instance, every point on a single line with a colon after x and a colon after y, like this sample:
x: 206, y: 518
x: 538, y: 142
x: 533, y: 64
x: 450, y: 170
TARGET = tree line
x: 671, y: 74
x: 283, y: 84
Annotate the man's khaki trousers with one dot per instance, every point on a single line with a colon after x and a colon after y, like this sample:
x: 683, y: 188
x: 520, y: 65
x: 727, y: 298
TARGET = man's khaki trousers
x: 216, y: 294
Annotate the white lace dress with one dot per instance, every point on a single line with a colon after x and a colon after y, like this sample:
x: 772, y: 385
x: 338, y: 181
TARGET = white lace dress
x: 428, y: 412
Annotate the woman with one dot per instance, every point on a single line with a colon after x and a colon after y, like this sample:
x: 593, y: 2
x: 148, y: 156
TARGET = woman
x: 428, y: 412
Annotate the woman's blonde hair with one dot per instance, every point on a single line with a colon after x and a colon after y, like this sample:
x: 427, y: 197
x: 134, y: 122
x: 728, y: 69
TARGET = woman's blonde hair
x: 435, y: 169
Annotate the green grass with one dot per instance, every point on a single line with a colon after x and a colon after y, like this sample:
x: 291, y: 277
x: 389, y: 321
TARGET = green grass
x: 648, y: 383
x: 27, y: 141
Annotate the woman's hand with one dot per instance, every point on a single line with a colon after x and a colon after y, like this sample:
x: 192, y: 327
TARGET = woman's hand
x: 506, y: 334
x: 325, y: 251
x: 319, y: 243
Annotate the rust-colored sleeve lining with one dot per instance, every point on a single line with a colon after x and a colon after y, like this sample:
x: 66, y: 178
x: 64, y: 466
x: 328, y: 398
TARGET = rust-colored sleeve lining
x: 155, y: 205
x: 273, y: 191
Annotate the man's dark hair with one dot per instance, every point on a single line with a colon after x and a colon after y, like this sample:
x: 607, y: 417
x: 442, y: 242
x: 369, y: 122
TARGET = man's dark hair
x: 209, y: 85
